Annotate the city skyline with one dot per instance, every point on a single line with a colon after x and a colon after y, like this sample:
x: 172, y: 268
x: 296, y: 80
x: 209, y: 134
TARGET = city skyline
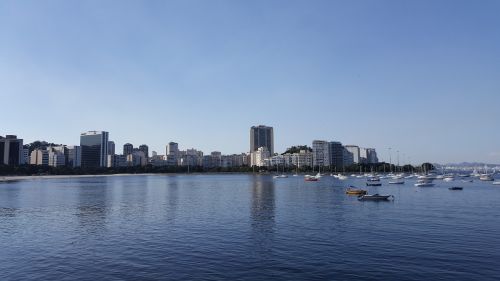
x: 419, y: 77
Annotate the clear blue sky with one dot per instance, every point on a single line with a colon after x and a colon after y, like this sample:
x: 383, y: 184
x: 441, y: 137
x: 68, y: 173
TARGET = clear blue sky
x: 422, y: 77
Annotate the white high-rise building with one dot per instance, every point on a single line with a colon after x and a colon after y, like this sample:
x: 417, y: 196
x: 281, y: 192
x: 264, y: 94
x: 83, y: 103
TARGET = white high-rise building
x: 258, y: 157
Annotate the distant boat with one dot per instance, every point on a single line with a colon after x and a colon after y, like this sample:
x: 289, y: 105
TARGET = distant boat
x: 424, y: 183
x: 448, y: 179
x: 373, y: 179
x: 373, y: 184
x: 280, y: 176
x: 397, y: 182
x: 496, y: 183
x: 355, y: 191
x: 374, y: 197
x: 456, y: 188
x: 486, y: 177
x: 310, y: 178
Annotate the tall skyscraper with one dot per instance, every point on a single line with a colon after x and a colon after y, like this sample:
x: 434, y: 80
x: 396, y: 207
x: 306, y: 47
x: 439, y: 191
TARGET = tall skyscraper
x: 321, y: 153
x: 11, y: 150
x: 111, y: 148
x: 144, y: 148
x: 94, y: 149
x: 336, y: 154
x: 172, y: 153
x: 261, y: 136
x: 128, y: 148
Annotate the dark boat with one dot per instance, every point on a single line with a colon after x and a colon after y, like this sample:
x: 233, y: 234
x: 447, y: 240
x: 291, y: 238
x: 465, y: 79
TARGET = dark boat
x: 456, y: 188
x: 374, y: 197
x: 373, y: 184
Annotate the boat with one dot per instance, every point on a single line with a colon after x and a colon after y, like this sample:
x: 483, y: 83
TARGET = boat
x: 355, y: 191
x: 486, y: 177
x: 448, y: 179
x: 467, y: 180
x: 311, y: 178
x: 280, y: 176
x: 424, y: 183
x: 496, y: 183
x: 397, y: 182
x: 373, y: 184
x: 373, y: 179
x: 342, y: 177
x: 374, y: 197
x: 456, y: 188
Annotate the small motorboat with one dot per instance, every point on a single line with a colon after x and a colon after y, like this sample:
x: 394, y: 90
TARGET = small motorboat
x: 355, y: 191
x: 397, y: 182
x: 456, y: 188
x: 467, y: 180
x: 311, y: 178
x: 280, y: 176
x: 373, y: 184
x: 496, y: 183
x: 373, y: 179
x: 374, y: 197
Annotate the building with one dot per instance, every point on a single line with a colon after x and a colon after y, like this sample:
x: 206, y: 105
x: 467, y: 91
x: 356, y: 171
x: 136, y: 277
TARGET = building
x: 128, y: 148
x: 262, y: 136
x: 258, y: 158
x: 56, y: 157
x: 136, y: 158
x: 304, y: 158
x: 321, y: 153
x: 11, y: 150
x: 39, y: 157
x: 172, y: 153
x: 371, y: 156
x: 348, y: 157
x: 354, y: 150
x: 336, y: 154
x: 145, y: 149
x: 111, y: 147
x: 94, y: 149
x: 26, y: 156
x: 74, y: 156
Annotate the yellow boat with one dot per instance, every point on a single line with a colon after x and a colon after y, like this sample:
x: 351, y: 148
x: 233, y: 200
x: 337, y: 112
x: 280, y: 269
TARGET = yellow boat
x: 355, y: 191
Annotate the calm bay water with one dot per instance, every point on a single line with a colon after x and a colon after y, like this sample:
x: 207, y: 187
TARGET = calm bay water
x: 244, y: 227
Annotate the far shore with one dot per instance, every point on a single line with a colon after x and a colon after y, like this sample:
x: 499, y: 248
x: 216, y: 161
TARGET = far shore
x: 40, y: 177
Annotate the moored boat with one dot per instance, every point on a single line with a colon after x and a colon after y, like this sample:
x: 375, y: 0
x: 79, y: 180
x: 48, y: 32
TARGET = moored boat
x: 373, y: 184
x: 375, y: 197
x: 397, y: 182
x: 355, y: 191
x: 456, y: 188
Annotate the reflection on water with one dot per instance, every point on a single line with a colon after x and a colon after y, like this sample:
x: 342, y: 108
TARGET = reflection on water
x: 92, y: 205
x: 172, y: 186
x: 262, y: 213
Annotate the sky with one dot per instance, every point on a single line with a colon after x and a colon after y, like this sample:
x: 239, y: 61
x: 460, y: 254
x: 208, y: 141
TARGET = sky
x: 419, y: 77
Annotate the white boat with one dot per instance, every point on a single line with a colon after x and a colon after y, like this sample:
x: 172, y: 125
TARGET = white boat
x: 342, y: 177
x: 425, y: 184
x: 486, y: 177
x: 496, y: 183
x: 280, y: 176
x: 448, y: 179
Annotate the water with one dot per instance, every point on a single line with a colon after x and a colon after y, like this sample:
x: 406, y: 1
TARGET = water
x: 244, y: 227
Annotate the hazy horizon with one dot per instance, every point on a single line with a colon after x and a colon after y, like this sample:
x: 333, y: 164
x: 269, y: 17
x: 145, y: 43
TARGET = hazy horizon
x: 420, y: 77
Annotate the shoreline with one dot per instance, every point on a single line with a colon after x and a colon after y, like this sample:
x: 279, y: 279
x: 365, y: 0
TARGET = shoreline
x: 41, y: 177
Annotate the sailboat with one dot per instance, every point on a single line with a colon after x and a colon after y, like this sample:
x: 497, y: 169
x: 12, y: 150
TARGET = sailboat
x: 282, y: 175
